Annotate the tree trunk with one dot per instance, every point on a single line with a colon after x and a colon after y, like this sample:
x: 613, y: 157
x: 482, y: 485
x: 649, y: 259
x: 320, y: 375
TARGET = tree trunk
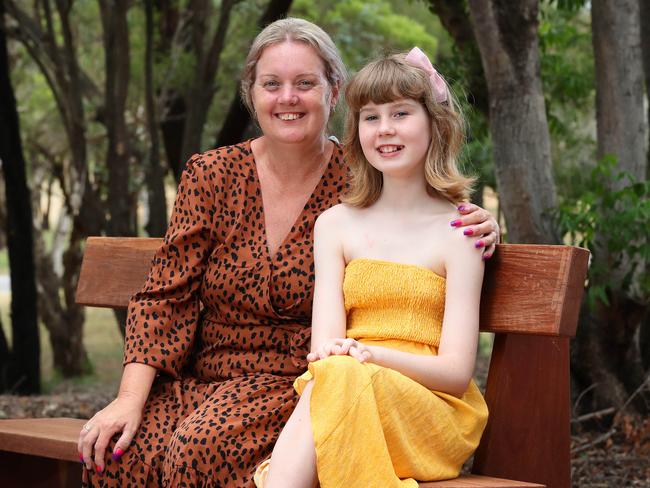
x: 619, y: 84
x: 157, y: 219
x: 238, y: 119
x: 507, y: 37
x: 455, y: 19
x: 202, y: 89
x: 608, y: 350
x: 24, y: 375
x: 116, y: 52
x: 52, y: 46
x: 644, y: 7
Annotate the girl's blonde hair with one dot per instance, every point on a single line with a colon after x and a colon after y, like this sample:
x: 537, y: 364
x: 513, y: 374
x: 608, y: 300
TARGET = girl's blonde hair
x: 386, y: 80
x: 296, y: 30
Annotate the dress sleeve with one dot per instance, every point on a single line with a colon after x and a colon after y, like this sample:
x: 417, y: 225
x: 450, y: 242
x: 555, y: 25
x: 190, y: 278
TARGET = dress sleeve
x: 162, y: 318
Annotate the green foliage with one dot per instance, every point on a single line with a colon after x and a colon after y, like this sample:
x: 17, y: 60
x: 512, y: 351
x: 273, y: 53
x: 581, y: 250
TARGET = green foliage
x: 567, y: 69
x: 611, y: 219
x: 363, y: 29
x: 567, y: 5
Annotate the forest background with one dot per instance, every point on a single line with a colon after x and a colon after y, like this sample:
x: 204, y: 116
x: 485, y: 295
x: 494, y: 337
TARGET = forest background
x: 101, y: 102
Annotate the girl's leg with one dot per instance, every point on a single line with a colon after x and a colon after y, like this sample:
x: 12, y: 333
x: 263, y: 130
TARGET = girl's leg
x: 293, y: 462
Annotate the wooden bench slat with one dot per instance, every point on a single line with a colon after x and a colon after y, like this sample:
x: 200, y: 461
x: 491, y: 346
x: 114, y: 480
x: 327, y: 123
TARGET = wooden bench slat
x: 54, y: 438
x: 114, y: 269
x: 533, y: 289
x: 474, y: 481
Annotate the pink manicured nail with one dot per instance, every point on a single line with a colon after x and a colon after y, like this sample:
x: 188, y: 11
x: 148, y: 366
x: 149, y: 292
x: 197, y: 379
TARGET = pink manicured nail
x: 81, y: 458
x: 461, y: 208
x: 468, y: 232
x: 455, y: 223
x: 99, y: 470
x: 479, y: 244
x: 117, y: 454
x: 486, y: 257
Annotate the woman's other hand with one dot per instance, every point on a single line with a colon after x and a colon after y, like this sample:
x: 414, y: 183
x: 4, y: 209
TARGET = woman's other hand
x: 122, y: 416
x: 478, y: 222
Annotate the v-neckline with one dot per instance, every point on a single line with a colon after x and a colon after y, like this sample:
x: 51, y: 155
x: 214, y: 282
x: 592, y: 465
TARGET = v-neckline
x: 271, y: 256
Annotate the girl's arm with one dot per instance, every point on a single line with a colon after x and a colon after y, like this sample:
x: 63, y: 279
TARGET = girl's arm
x: 328, y: 314
x: 452, y: 369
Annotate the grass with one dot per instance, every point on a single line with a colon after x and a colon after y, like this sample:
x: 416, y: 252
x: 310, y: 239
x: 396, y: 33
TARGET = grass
x: 4, y: 261
x: 103, y: 344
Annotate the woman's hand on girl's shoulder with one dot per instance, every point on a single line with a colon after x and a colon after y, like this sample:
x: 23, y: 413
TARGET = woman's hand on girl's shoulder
x: 479, y: 224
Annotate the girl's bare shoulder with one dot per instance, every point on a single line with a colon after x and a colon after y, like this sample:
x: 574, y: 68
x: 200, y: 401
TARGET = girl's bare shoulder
x: 336, y: 216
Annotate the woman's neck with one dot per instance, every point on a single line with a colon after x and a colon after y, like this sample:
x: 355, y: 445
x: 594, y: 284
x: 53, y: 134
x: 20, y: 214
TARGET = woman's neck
x: 291, y: 161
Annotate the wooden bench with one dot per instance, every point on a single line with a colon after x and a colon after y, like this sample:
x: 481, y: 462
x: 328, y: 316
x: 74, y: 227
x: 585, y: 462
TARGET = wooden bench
x: 531, y: 300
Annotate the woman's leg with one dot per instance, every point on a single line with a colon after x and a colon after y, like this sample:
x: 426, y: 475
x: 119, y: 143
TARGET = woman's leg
x: 293, y: 462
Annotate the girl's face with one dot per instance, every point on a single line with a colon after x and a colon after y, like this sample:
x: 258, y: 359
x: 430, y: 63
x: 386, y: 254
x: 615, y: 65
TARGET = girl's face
x: 291, y: 95
x: 395, y: 136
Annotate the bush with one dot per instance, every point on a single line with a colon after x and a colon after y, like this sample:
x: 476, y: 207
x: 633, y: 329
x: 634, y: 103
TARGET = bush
x: 611, y: 219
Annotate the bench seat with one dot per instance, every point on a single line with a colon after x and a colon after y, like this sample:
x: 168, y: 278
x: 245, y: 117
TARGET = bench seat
x: 56, y: 439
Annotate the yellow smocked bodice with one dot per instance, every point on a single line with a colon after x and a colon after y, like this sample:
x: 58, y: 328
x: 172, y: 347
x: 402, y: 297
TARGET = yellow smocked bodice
x: 387, y: 300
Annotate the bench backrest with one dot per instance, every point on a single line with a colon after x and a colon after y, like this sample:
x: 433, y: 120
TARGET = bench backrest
x: 529, y: 289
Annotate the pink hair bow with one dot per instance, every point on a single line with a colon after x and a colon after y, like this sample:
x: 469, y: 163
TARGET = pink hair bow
x: 420, y: 60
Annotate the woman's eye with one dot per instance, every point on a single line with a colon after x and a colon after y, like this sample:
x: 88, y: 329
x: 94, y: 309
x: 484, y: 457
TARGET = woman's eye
x: 270, y: 84
x: 305, y: 84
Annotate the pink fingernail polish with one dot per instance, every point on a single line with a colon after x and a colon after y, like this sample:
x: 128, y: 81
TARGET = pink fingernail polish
x: 455, y: 223
x: 117, y: 454
x: 468, y: 232
x: 479, y: 244
x: 100, y: 470
x: 81, y: 458
x: 486, y: 257
x: 461, y: 208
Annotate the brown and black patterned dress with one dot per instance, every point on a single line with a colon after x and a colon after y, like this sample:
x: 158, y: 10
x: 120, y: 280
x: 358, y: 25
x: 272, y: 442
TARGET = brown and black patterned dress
x: 226, y: 325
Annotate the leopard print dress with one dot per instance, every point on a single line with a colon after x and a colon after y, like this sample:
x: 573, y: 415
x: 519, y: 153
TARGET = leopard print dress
x: 225, y: 324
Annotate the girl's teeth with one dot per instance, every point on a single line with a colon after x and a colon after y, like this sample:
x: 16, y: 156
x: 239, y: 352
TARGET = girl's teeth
x: 389, y: 149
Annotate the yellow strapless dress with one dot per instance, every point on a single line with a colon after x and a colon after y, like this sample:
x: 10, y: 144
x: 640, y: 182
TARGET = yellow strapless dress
x: 373, y: 426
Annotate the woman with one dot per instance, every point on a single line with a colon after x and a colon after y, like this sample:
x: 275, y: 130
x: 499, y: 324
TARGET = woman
x: 239, y: 244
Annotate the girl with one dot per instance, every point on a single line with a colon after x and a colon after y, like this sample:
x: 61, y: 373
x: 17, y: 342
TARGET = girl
x: 388, y: 398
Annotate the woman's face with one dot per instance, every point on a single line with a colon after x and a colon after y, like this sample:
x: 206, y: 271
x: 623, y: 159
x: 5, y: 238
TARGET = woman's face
x: 291, y: 95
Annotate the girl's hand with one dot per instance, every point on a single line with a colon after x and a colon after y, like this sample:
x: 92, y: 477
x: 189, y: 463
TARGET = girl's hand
x: 123, y: 415
x: 478, y: 222
x: 341, y: 347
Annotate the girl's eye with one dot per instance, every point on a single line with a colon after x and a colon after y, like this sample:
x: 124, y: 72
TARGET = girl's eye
x: 370, y: 118
x: 401, y: 114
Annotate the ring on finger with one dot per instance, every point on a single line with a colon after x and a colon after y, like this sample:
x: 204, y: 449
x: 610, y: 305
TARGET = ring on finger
x: 87, y: 427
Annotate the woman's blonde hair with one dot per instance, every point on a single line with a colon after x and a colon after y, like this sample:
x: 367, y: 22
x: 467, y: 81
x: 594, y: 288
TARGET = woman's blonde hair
x: 386, y: 80
x: 296, y: 30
